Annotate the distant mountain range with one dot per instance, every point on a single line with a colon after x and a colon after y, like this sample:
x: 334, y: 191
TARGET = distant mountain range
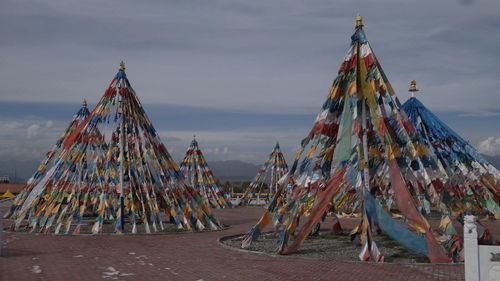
x: 233, y: 170
x: 230, y: 170
x: 494, y: 160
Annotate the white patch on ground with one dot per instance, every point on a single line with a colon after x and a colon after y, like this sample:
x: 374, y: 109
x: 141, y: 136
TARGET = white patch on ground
x: 36, y: 269
x: 171, y: 271
x: 112, y: 273
x: 35, y: 258
x: 141, y: 260
x: 8, y: 240
x: 131, y: 253
x: 79, y: 256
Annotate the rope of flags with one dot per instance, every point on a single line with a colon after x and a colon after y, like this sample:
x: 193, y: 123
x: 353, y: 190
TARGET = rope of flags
x: 111, y: 166
x: 199, y: 175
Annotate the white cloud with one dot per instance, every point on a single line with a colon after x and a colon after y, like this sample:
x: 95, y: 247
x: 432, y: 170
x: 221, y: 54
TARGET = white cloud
x: 33, y: 130
x: 247, y: 55
x: 6, y: 126
x: 38, y: 129
x: 23, y: 139
x: 490, y: 146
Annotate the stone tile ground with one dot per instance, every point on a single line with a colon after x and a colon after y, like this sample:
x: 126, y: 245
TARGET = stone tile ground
x: 187, y: 256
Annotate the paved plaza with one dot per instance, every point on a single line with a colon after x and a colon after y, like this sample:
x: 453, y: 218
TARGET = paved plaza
x: 188, y: 256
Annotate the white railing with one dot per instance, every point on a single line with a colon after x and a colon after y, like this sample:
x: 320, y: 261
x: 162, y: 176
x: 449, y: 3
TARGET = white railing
x: 482, y: 263
x: 4, y: 179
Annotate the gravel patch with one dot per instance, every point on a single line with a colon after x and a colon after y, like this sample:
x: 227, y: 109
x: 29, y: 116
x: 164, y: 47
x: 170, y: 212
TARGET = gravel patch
x: 332, y: 247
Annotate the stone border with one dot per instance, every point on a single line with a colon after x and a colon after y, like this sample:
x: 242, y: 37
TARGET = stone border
x: 221, y: 240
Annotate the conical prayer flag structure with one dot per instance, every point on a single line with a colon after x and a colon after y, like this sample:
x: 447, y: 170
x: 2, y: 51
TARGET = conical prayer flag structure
x: 469, y: 177
x: 112, y: 170
x: 362, y: 144
x: 268, y: 176
x: 199, y: 175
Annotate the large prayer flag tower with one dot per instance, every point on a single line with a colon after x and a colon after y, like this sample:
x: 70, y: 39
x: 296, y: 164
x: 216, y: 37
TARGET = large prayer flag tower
x: 362, y: 153
x: 113, y: 171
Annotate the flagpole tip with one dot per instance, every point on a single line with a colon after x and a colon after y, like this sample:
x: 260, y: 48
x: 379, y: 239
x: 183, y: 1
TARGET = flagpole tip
x: 413, y: 88
x: 84, y: 103
x: 359, y: 21
x: 122, y: 66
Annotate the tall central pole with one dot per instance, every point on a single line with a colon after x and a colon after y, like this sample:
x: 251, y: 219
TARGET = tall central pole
x: 273, y: 175
x: 365, y: 185
x: 366, y: 175
x: 122, y: 171
x: 122, y: 158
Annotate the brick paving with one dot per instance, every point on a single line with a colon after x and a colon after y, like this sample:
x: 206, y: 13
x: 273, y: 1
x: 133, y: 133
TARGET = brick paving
x: 188, y: 256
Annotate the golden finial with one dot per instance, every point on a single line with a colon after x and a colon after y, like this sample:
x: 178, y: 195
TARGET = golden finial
x: 413, y: 88
x: 122, y: 66
x: 84, y: 103
x: 359, y: 21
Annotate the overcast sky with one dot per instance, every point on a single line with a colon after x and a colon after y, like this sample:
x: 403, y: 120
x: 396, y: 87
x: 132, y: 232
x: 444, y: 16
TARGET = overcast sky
x: 238, y: 74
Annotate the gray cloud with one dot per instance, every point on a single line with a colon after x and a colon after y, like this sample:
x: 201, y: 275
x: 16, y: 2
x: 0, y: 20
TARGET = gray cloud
x: 262, y: 58
x: 258, y: 55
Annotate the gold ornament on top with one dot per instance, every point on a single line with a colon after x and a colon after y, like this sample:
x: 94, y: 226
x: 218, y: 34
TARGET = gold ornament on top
x: 122, y: 66
x: 413, y: 88
x: 359, y: 21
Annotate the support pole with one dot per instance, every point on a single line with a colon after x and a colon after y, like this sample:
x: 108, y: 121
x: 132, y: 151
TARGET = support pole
x: 365, y: 185
x: 122, y: 162
x: 366, y: 174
